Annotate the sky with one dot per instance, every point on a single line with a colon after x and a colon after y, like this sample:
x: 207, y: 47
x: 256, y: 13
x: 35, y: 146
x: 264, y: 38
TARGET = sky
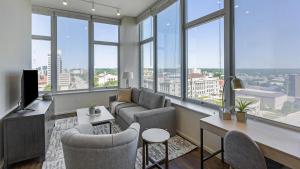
x: 267, y: 35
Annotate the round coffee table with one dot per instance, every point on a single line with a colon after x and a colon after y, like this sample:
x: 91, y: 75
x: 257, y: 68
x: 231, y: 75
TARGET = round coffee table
x: 150, y: 136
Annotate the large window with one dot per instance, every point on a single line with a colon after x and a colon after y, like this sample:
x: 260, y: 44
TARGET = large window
x: 205, y: 62
x: 106, y: 38
x: 147, y: 53
x: 86, y: 56
x: 168, y: 51
x: 267, y: 57
x: 106, y: 66
x: 147, y: 28
x: 205, y: 51
x: 72, y: 54
x: 147, y: 62
x: 41, y: 50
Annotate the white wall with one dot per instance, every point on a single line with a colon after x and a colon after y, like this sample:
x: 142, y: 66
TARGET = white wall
x: 129, y: 49
x: 188, y: 125
x: 67, y: 103
x: 15, y: 51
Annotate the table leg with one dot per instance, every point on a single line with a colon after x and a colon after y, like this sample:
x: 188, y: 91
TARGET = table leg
x: 143, y: 155
x: 222, y: 149
x: 109, y: 127
x: 167, y: 155
x: 147, y: 154
x: 201, y: 149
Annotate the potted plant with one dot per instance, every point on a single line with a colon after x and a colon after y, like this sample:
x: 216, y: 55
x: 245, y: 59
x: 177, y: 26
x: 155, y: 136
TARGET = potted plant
x: 242, y: 107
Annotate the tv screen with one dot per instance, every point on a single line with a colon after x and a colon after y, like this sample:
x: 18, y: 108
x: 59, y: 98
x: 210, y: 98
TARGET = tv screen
x: 30, y: 90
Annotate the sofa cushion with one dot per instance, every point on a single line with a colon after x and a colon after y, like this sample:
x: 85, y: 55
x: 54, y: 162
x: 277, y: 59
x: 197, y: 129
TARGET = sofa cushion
x: 151, y: 100
x: 113, y: 106
x: 127, y: 114
x: 135, y: 95
x: 124, y: 95
x: 124, y: 105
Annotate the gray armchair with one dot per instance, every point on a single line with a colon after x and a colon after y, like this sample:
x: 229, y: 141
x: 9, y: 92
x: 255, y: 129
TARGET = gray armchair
x: 83, y: 150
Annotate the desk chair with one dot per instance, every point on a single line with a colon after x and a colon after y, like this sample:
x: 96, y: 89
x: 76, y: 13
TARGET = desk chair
x: 241, y: 152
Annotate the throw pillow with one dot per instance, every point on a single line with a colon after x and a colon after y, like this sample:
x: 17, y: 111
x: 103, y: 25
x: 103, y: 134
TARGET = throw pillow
x: 151, y: 100
x: 124, y: 95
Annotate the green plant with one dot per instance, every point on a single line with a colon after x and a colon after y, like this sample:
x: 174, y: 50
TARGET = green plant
x: 243, y: 106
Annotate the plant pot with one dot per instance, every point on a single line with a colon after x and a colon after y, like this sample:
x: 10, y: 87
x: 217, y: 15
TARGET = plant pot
x: 92, y: 110
x: 224, y: 115
x: 241, y: 116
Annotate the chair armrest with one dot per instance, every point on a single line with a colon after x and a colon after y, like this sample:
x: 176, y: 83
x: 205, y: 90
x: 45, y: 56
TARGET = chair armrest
x: 164, y: 118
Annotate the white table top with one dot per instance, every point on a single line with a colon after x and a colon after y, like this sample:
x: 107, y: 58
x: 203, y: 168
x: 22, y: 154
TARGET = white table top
x: 155, y: 135
x: 84, y: 118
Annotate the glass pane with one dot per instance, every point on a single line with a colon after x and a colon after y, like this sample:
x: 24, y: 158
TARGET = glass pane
x: 72, y: 54
x: 41, y: 60
x: 105, y: 66
x: 168, y: 52
x: 199, y: 8
x: 41, y: 25
x: 147, y: 28
x: 205, y: 52
x: 147, y: 66
x: 106, y: 32
x: 267, y: 57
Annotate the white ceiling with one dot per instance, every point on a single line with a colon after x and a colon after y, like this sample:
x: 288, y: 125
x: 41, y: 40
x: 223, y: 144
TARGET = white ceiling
x: 127, y: 7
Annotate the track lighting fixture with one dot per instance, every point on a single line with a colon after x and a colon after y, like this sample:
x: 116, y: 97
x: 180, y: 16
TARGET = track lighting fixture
x: 65, y: 2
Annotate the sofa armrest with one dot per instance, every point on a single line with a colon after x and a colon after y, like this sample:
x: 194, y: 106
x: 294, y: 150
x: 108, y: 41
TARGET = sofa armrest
x: 164, y: 118
x: 112, y: 98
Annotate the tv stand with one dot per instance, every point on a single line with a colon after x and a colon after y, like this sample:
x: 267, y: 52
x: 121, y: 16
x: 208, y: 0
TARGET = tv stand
x: 27, y: 132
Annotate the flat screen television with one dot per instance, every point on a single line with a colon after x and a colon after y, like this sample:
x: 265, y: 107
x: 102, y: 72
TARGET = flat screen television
x: 30, y: 90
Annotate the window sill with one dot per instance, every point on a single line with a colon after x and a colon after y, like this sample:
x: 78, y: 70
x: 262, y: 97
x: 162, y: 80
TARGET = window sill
x: 194, y: 107
x: 210, y: 112
x: 84, y: 91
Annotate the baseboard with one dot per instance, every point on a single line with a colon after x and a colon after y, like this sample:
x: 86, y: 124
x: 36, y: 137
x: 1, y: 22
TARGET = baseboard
x: 196, y: 142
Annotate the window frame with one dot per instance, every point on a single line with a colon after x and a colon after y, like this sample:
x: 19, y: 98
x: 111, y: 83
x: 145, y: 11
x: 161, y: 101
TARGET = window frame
x: 54, y: 13
x: 229, y: 55
x: 228, y: 15
x: 182, y: 62
x: 94, y: 42
x: 79, y: 17
x: 221, y: 13
x: 142, y: 42
x: 45, y: 38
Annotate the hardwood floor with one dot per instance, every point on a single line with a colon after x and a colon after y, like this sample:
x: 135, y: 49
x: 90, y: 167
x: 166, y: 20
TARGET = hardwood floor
x: 188, y: 161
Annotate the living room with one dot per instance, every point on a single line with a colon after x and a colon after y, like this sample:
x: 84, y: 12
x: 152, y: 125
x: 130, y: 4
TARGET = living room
x: 127, y: 84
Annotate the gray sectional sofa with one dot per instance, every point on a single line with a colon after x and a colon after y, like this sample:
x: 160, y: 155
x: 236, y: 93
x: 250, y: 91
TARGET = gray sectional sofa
x: 149, y: 109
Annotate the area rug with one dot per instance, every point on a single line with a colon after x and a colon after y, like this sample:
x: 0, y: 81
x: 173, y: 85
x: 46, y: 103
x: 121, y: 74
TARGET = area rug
x: 178, y: 146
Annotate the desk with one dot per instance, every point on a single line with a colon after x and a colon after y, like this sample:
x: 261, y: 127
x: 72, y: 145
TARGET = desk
x: 279, y: 144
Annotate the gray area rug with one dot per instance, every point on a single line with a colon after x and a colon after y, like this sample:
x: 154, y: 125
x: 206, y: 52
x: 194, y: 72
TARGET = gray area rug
x: 178, y: 146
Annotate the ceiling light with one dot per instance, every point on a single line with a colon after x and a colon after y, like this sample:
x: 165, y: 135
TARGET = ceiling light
x: 65, y: 2
x: 93, y: 6
x: 118, y: 12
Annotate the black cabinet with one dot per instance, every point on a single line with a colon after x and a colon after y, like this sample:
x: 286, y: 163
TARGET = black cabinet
x: 27, y: 133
